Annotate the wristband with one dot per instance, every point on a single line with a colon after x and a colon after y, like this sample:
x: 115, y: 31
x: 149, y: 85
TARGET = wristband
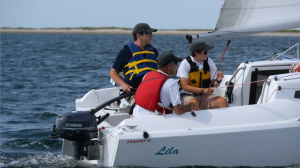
x: 218, y: 81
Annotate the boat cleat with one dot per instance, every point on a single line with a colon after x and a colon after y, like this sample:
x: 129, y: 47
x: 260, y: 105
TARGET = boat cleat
x: 128, y: 128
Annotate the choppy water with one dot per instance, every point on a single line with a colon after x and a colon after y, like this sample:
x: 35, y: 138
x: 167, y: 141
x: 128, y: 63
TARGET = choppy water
x: 42, y: 74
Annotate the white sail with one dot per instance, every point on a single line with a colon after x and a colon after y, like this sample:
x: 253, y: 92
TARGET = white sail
x: 245, y: 17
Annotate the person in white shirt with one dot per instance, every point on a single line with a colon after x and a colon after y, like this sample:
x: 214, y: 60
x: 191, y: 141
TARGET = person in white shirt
x: 196, y: 73
x: 158, y: 93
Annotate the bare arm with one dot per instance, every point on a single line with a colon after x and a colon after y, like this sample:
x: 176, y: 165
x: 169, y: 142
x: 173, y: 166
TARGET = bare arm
x: 185, y: 86
x: 180, y: 109
x: 114, y: 74
x: 215, y: 83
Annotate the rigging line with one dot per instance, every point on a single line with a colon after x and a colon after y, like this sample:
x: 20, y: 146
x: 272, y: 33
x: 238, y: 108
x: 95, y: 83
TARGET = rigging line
x: 109, y: 132
x: 255, y: 81
x: 289, y: 49
x: 96, y: 96
x: 281, y: 89
x: 244, y: 83
x: 214, y: 75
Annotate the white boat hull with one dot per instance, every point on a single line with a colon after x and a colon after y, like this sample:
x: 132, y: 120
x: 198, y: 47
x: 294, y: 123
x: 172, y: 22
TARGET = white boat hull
x: 211, y: 139
x: 263, y: 134
x: 252, y: 148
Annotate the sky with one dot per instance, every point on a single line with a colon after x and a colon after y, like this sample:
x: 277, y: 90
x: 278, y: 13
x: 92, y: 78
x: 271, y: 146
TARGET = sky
x: 159, y: 14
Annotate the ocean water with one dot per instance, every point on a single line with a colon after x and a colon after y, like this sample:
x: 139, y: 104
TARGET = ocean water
x: 43, y: 74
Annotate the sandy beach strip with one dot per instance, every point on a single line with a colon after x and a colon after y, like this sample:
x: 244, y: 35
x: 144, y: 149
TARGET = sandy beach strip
x: 121, y: 31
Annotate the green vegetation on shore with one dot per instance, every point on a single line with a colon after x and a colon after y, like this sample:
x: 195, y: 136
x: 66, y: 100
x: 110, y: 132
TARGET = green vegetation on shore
x: 287, y: 31
x: 122, y: 28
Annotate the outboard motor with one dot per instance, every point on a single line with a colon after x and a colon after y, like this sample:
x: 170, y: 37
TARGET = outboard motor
x: 79, y: 127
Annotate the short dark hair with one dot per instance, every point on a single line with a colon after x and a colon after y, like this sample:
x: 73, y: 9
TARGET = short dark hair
x: 135, y: 37
x: 193, y: 53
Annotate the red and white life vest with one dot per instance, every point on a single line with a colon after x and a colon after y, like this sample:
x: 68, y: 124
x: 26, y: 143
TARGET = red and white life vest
x: 148, y: 92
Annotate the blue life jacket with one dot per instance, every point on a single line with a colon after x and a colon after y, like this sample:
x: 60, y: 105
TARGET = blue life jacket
x: 138, y: 66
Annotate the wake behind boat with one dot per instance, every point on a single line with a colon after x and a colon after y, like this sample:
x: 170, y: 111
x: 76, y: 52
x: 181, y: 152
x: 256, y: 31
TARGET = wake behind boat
x: 260, y: 128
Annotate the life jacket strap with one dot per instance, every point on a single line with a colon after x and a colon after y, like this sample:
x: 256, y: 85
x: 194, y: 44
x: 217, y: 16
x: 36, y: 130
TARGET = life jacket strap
x: 135, y: 63
x: 143, y: 52
x: 137, y: 71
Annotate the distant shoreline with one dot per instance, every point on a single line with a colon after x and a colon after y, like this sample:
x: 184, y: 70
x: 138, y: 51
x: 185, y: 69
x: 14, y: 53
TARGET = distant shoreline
x: 122, y: 31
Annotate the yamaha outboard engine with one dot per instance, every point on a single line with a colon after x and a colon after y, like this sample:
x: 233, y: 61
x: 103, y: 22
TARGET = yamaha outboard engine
x: 79, y: 127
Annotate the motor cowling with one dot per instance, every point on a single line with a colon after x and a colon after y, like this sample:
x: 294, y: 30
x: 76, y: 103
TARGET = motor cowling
x: 79, y: 127
x: 76, y: 126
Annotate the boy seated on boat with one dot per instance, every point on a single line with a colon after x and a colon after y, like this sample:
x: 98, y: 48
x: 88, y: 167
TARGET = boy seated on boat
x: 159, y: 93
x: 196, y: 73
x: 135, y: 59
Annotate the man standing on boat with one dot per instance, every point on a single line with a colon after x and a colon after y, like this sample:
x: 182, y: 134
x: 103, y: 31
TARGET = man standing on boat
x: 159, y: 93
x: 135, y: 59
x: 196, y: 73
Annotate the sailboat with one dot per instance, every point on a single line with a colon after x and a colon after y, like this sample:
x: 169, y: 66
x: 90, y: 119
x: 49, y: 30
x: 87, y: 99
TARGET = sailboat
x: 260, y: 128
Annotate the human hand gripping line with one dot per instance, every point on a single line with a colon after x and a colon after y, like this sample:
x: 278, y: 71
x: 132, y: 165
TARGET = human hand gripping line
x: 214, y: 78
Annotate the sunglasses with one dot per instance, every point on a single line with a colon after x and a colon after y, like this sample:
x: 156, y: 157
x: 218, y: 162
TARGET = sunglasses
x: 205, y: 53
x: 148, y: 33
